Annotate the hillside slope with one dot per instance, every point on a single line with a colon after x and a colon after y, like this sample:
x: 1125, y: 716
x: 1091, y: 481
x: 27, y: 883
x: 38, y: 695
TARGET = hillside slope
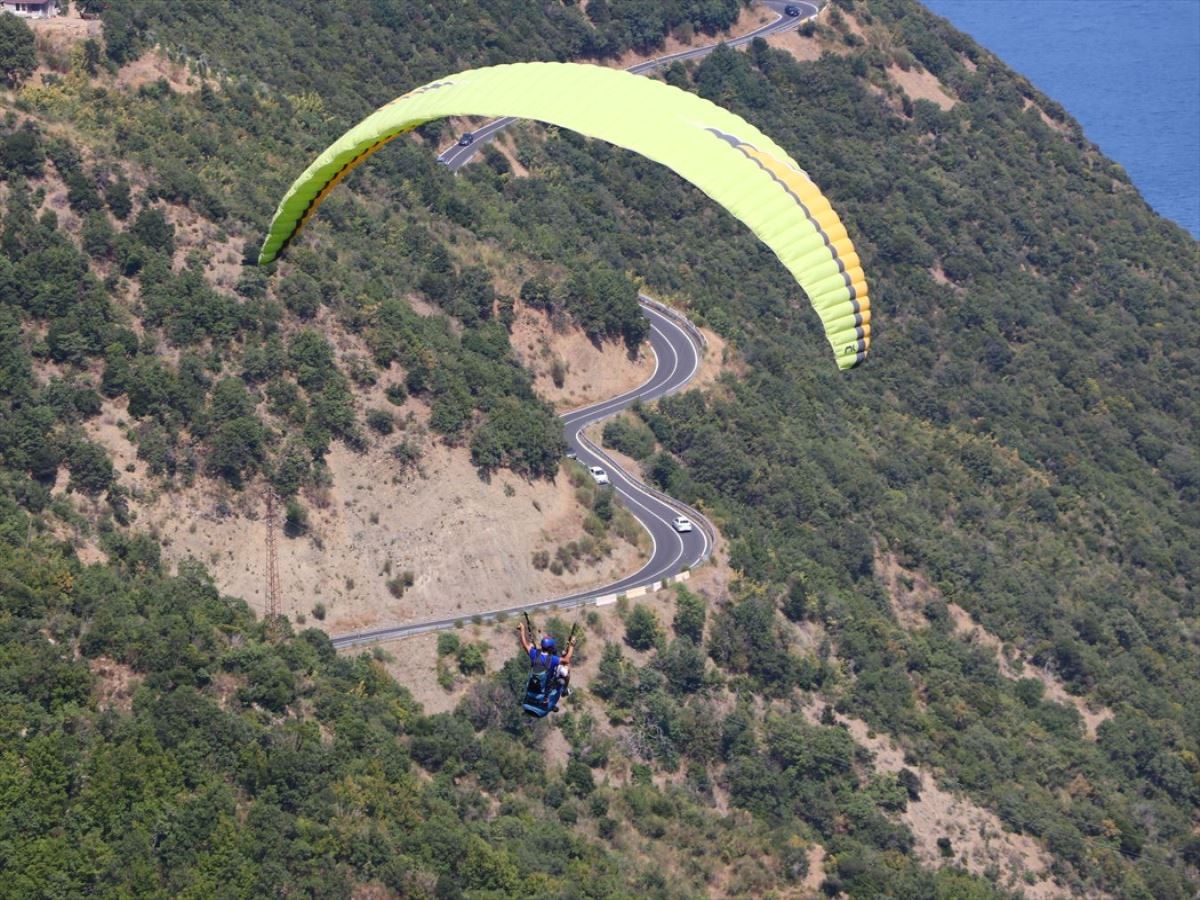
x: 961, y: 586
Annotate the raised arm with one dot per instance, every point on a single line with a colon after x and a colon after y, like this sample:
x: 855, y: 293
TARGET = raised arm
x: 525, y: 643
x: 566, y: 657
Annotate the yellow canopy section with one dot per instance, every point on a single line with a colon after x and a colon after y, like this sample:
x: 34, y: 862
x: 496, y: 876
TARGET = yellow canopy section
x: 722, y: 154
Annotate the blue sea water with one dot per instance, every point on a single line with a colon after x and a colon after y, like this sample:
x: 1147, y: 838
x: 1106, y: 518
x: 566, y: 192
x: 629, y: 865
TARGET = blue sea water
x: 1127, y: 70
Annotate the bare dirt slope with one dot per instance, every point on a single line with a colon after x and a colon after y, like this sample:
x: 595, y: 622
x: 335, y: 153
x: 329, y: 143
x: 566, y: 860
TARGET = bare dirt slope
x: 978, y: 839
x: 922, y: 85
x: 589, y: 371
x: 64, y: 31
x: 466, y: 542
x: 803, y: 47
x: 917, y: 82
x: 909, y: 592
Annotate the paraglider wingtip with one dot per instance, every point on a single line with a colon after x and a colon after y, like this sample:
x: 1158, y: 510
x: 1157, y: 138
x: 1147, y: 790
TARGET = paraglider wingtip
x: 851, y: 357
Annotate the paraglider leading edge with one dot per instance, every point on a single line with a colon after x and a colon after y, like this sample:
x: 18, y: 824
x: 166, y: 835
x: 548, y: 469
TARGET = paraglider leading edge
x: 719, y: 152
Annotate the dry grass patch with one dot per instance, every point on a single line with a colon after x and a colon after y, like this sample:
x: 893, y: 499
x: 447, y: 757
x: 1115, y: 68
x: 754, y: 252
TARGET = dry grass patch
x: 802, y: 47
x: 222, y: 252
x: 115, y: 684
x: 153, y: 66
x: 922, y: 85
x: 1013, y: 666
x: 569, y: 369
x: 54, y: 38
x: 1060, y: 127
x: 979, y: 840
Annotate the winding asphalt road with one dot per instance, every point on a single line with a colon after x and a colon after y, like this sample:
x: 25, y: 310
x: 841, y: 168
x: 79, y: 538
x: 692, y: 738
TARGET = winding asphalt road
x: 458, y: 156
x: 677, y: 356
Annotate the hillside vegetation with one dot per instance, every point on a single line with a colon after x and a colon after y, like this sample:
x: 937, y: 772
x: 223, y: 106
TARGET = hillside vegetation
x: 1020, y: 450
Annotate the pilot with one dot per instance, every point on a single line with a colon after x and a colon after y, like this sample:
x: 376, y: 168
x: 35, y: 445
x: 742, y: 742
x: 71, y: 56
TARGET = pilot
x: 543, y: 658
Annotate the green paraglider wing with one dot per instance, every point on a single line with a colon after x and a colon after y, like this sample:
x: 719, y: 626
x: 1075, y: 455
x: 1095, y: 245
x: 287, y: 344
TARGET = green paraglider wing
x: 719, y: 152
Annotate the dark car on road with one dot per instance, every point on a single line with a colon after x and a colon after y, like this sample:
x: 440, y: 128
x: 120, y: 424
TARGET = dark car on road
x: 466, y: 140
x: 792, y: 10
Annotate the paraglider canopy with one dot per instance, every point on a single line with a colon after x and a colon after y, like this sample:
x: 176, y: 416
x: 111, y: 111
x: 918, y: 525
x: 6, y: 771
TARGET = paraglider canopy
x: 719, y: 152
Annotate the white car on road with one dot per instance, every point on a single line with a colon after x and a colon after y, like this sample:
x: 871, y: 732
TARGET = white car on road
x: 682, y: 524
x: 599, y: 474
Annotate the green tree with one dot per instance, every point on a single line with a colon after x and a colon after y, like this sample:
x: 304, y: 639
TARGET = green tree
x: 237, y: 449
x: 538, y: 292
x: 17, y: 56
x: 310, y: 357
x: 603, y: 503
x: 471, y: 660
x: 690, y: 613
x: 642, y: 630
x: 98, y: 236
x: 91, y: 470
x: 630, y: 437
x: 683, y: 665
x: 152, y: 229
x: 122, y: 33
x: 579, y: 778
x: 605, y: 304
x: 301, y: 294
x: 796, y: 603
x: 21, y: 153
x: 381, y: 421
x: 520, y: 436
x: 614, y: 679
x: 118, y: 197
x: 295, y: 521
x: 269, y: 683
x: 81, y: 192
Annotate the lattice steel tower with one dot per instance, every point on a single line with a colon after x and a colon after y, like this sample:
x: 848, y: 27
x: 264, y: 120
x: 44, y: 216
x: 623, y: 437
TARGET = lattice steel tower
x: 272, y: 560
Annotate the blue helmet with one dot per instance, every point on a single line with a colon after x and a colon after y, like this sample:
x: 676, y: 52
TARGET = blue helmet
x: 547, y: 643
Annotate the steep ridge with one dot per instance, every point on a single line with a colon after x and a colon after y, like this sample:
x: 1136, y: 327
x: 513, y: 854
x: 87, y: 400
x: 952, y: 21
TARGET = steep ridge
x: 1023, y: 441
